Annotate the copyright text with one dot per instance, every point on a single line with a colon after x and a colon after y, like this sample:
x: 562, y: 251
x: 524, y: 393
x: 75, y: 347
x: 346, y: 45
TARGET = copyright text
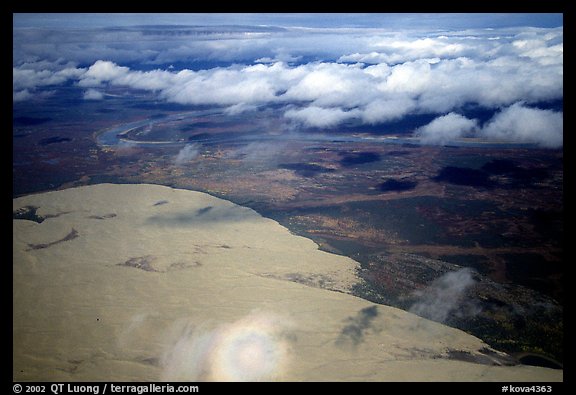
x: 527, y: 388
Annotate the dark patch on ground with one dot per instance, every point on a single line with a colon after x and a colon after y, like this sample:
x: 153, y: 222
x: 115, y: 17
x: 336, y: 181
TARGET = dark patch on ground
x: 397, y: 185
x: 141, y: 262
x: 160, y: 202
x: 517, y: 176
x: 464, y: 176
x: 539, y: 360
x: 146, y: 263
x: 398, y: 153
x: 353, y: 333
x: 182, y: 265
x: 549, y: 224
x: 105, y: 216
x: 203, y: 210
x: 201, y: 216
x: 200, y: 137
x: 152, y: 361
x: 500, y: 166
x: 312, y: 280
x: 533, y: 270
x: 306, y: 169
x: 29, y: 121
x: 498, y: 173
x: 54, y: 140
x: 358, y: 158
x: 28, y: 213
x: 70, y: 236
x: 486, y: 357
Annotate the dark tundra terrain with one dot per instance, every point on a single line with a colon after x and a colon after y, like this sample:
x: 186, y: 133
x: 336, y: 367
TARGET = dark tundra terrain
x: 469, y: 234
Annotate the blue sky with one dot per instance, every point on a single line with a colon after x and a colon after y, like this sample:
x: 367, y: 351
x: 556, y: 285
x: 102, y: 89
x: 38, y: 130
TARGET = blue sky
x: 384, y: 20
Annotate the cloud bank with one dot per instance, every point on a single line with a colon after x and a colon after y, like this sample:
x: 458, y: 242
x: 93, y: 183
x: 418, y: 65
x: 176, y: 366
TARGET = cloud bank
x: 320, y: 78
x: 446, y: 128
x: 525, y: 124
x: 517, y: 123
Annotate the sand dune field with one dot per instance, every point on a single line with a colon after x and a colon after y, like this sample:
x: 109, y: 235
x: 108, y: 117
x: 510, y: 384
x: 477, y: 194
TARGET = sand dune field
x: 149, y: 283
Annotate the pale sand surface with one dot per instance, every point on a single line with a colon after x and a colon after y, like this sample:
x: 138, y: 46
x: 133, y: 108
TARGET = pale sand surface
x: 166, y: 284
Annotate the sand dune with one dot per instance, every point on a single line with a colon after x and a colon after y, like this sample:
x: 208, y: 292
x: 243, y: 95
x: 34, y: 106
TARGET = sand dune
x: 148, y: 283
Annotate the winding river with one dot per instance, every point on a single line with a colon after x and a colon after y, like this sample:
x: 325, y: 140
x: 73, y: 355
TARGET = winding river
x: 118, y: 134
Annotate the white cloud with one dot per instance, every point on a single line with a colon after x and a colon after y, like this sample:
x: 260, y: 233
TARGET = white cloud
x: 446, y: 128
x: 332, y: 92
x: 387, y: 76
x: 102, y: 71
x: 186, y: 154
x: 239, y: 108
x: 516, y: 123
x: 259, y: 151
x: 382, y: 110
x: 410, y: 77
x: 326, y: 83
x: 26, y: 94
x: 225, y: 86
x: 93, y: 94
x: 28, y: 78
x: 320, y: 117
x: 446, y: 296
x: 393, y: 50
x: 370, y: 58
x: 529, y: 125
x: 21, y: 95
